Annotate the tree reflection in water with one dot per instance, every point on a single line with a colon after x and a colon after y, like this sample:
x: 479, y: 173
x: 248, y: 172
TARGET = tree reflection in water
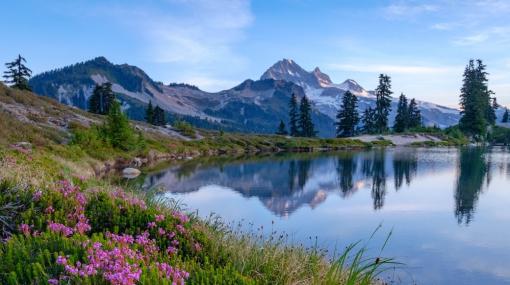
x: 472, y: 170
x: 286, y: 182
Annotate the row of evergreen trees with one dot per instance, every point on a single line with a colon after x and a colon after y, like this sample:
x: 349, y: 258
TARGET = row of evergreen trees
x: 300, y: 119
x: 374, y: 120
x: 155, y: 116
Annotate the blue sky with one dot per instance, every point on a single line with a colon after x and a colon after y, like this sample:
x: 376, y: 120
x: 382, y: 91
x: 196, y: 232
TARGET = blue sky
x: 216, y: 44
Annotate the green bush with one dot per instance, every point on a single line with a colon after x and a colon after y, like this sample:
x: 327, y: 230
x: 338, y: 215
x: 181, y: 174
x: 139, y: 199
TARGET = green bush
x: 185, y: 128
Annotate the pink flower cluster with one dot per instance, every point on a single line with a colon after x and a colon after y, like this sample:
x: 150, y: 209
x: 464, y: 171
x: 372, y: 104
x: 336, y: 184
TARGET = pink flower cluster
x: 79, y: 201
x: 183, y: 218
x: 129, y: 199
x: 60, y: 228
x: 119, y: 263
x: 178, y: 276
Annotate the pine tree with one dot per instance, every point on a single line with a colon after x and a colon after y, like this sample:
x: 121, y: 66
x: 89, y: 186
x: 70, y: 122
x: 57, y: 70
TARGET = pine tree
x: 477, y: 110
x: 159, y: 117
x: 17, y: 74
x: 491, y: 116
x: 293, y: 116
x: 383, y: 103
x: 505, y: 116
x: 347, y: 117
x: 149, y: 113
x: 117, y: 130
x: 281, y: 129
x: 102, y: 99
x: 414, y: 115
x: 306, y: 127
x: 402, y: 117
x: 368, y: 120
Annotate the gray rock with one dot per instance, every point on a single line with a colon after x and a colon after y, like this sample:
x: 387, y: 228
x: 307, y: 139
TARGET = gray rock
x: 130, y: 173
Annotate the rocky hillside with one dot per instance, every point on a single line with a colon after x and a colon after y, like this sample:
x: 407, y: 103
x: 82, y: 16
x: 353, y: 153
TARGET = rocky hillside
x: 254, y: 106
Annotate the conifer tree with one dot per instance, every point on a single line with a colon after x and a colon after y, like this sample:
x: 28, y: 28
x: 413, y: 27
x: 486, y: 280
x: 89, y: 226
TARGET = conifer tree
x: 505, y: 116
x: 368, y: 120
x: 383, y: 103
x: 402, y: 117
x: 477, y: 108
x: 414, y: 115
x: 293, y: 116
x: 149, y: 113
x: 347, y: 117
x: 17, y: 74
x: 102, y: 99
x: 281, y: 129
x: 491, y: 116
x: 305, y: 124
x: 117, y: 129
x: 159, y: 117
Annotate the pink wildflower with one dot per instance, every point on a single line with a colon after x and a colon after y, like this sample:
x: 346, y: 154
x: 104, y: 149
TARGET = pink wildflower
x: 151, y: 225
x: 160, y: 218
x: 25, y: 229
x: 37, y: 195
x: 49, y: 210
x: 60, y: 228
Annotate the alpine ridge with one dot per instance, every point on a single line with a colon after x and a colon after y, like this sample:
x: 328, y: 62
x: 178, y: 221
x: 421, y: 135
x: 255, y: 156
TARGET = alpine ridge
x: 254, y: 106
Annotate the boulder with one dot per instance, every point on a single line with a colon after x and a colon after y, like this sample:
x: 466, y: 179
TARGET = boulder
x: 130, y: 173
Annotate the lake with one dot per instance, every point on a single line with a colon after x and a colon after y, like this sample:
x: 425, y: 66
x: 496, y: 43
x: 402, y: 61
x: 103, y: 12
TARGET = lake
x: 448, y: 209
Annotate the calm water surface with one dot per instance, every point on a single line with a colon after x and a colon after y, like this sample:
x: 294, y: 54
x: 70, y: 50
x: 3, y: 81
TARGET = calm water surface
x: 449, y: 209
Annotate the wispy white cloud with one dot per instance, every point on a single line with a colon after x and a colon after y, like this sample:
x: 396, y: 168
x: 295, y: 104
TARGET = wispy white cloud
x: 194, y: 31
x: 395, y: 69
x: 405, y: 9
x: 493, y: 35
x: 197, y: 36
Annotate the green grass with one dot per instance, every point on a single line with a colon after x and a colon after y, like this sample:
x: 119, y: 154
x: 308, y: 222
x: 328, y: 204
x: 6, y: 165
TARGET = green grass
x: 227, y: 254
x: 75, y: 151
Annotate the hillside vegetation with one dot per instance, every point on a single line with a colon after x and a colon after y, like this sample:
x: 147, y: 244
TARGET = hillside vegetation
x: 61, y: 224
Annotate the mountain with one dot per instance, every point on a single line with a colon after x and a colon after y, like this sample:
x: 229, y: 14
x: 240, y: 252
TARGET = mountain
x: 327, y: 95
x: 252, y: 106
x: 255, y: 106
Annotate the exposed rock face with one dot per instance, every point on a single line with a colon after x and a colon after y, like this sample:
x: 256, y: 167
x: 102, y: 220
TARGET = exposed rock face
x: 254, y: 106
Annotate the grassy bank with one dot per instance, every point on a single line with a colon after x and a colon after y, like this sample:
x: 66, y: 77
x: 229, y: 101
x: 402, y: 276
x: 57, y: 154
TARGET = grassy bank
x: 87, y: 231
x: 60, y: 224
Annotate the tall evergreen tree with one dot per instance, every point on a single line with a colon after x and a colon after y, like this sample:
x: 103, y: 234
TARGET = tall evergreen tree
x: 149, y: 113
x: 102, y: 99
x: 368, y: 120
x: 293, y: 116
x: 383, y: 103
x: 347, y: 117
x: 505, y: 116
x: 414, y: 115
x: 117, y: 129
x: 475, y: 101
x: 281, y: 129
x: 17, y: 74
x: 305, y: 124
x: 402, y: 117
x: 159, y: 116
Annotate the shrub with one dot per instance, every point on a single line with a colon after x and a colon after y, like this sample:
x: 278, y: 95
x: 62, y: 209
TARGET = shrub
x: 185, y: 128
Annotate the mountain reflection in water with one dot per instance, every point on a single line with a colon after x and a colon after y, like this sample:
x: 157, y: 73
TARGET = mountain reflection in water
x: 286, y: 182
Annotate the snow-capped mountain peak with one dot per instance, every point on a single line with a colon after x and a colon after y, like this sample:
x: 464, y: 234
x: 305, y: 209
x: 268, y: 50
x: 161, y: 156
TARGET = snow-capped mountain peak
x: 351, y: 85
x: 322, y: 78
